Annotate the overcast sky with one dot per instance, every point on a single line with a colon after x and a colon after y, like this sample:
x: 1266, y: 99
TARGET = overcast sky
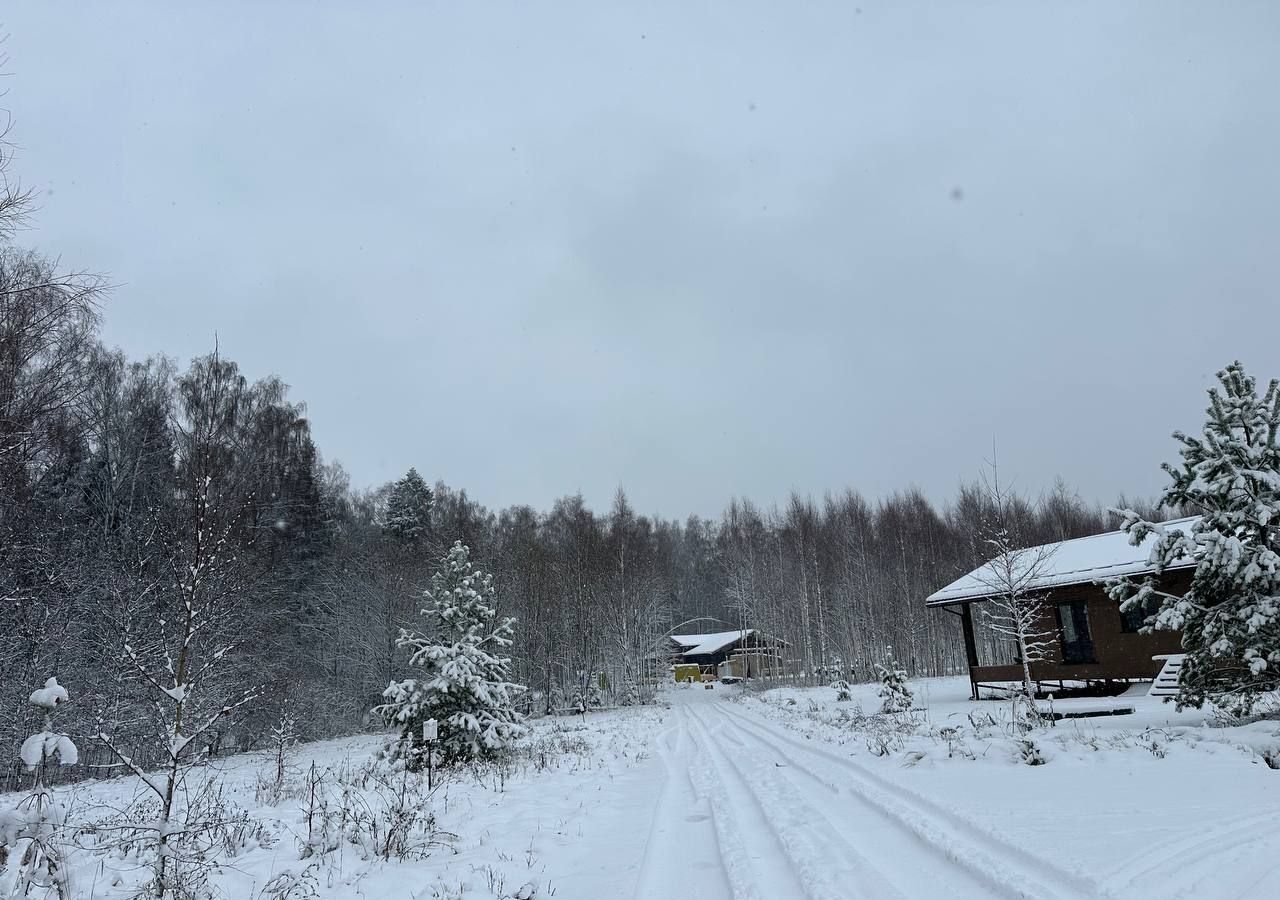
x: 697, y: 249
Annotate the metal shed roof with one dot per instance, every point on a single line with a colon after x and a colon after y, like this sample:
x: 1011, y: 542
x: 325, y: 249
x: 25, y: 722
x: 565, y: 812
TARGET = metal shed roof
x: 1077, y: 561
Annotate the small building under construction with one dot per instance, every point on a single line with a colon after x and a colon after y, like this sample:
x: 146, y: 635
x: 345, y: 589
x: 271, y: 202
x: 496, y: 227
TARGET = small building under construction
x: 742, y: 653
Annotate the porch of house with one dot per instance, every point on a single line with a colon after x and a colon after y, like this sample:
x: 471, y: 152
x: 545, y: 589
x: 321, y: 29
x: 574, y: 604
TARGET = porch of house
x: 1106, y: 658
x: 1062, y: 677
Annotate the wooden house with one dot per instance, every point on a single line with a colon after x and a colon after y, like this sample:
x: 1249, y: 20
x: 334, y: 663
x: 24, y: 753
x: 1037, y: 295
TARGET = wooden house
x: 1093, y: 643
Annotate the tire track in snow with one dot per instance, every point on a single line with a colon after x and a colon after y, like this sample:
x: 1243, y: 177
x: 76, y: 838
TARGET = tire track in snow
x: 682, y: 853
x: 892, y: 857
x: 1195, y: 849
x: 1004, y: 866
x: 756, y: 855
x: 819, y: 851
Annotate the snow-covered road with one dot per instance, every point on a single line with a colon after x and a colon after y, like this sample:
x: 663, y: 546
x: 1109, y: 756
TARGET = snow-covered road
x: 747, y: 809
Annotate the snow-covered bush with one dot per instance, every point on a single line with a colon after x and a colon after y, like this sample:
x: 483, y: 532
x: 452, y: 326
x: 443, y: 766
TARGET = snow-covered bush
x: 629, y: 694
x: 398, y: 822
x: 383, y: 813
x: 212, y: 830
x: 981, y: 721
x: 851, y: 717
x: 953, y: 737
x: 291, y: 885
x: 30, y: 854
x: 1028, y: 752
x: 843, y: 691
x: 557, y: 699
x: 894, y: 692
x: 590, y: 694
x: 1230, y: 616
x: 886, y: 735
x: 465, y: 684
x: 560, y: 748
x: 324, y: 823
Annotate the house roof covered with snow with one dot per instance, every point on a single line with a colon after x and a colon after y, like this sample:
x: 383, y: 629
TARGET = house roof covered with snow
x: 702, y: 644
x: 1077, y: 561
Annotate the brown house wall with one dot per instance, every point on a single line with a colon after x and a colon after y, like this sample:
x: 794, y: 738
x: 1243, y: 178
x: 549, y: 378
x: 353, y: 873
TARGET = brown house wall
x: 1117, y: 654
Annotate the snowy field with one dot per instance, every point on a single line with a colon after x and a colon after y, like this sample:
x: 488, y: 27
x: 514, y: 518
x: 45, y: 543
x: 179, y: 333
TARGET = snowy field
x: 559, y: 821
x: 1152, y: 804
x: 784, y: 793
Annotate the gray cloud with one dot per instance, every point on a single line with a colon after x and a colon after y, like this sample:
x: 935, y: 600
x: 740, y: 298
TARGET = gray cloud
x: 696, y: 251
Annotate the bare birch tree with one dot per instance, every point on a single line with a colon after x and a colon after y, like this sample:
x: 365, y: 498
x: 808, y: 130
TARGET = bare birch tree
x: 1017, y: 609
x: 176, y: 662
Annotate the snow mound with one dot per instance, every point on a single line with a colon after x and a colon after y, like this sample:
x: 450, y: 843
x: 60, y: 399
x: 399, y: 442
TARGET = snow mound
x: 50, y: 695
x: 46, y: 745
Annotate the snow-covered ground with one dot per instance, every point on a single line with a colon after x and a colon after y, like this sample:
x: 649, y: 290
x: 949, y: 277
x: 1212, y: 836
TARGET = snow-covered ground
x: 726, y: 793
x: 1152, y: 804
x: 561, y: 821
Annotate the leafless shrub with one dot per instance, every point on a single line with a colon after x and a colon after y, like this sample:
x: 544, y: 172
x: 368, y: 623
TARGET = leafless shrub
x: 954, y: 738
x: 386, y: 812
x: 291, y: 885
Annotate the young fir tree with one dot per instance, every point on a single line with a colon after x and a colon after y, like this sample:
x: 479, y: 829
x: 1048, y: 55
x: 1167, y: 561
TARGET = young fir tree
x: 409, y: 508
x: 894, y: 693
x: 1230, y: 616
x: 465, y: 682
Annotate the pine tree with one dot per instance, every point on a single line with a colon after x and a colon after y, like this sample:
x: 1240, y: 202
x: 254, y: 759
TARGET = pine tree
x: 894, y: 693
x: 464, y: 684
x: 409, y: 508
x: 1230, y: 616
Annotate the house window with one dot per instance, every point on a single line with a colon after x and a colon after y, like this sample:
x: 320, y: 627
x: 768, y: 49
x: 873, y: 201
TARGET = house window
x: 1133, y: 618
x: 1073, y: 623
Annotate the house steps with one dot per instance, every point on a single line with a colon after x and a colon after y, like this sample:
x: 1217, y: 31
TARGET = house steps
x: 1166, y: 683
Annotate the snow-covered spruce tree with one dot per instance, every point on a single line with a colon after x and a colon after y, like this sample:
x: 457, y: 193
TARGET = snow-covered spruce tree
x: 1230, y: 616
x: 895, y: 695
x: 29, y: 854
x: 464, y: 683
x: 408, y: 516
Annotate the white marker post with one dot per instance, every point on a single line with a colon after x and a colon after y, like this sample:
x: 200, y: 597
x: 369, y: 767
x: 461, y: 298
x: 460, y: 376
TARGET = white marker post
x: 430, y: 731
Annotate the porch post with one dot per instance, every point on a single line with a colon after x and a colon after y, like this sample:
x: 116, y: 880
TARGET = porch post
x: 970, y: 643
